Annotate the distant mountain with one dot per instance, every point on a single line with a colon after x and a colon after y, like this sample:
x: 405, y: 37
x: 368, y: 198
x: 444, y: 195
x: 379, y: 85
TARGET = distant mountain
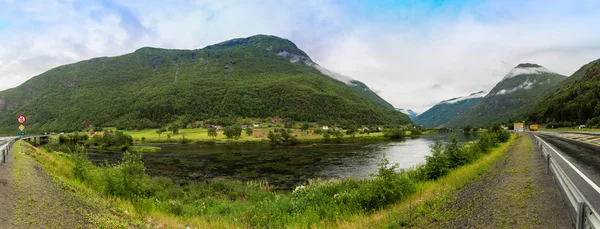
x: 411, y: 114
x: 443, y: 113
x: 575, y: 100
x: 512, y: 96
x: 255, y: 77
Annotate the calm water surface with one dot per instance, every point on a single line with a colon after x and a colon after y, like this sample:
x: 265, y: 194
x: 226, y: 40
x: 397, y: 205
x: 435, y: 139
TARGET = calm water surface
x: 282, y: 166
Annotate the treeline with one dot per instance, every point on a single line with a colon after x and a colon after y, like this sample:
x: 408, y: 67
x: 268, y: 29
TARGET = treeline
x: 576, y: 101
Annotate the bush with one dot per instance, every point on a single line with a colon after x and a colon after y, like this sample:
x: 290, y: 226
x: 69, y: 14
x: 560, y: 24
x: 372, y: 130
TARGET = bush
x: 326, y: 137
x: 81, y: 163
x: 395, y: 133
x: 503, y: 136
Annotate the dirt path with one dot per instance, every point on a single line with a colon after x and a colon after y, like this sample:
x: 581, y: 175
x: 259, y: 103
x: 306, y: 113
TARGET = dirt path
x: 29, y: 198
x: 517, y: 193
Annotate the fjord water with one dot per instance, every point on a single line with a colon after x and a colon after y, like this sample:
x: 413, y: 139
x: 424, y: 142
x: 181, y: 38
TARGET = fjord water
x: 283, y: 166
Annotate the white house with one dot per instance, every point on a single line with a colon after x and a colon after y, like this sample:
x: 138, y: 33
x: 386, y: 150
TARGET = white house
x: 256, y: 125
x: 325, y: 127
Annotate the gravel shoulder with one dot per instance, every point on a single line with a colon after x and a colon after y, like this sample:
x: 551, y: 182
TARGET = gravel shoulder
x: 516, y: 193
x: 31, y: 199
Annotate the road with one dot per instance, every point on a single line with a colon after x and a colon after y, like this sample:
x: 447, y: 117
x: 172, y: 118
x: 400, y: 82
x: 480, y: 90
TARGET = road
x: 582, y: 151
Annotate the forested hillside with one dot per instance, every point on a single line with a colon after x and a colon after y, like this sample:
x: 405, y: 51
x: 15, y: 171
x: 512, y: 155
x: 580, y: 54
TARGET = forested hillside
x: 574, y: 101
x: 511, y: 97
x: 256, y: 77
x: 443, y: 113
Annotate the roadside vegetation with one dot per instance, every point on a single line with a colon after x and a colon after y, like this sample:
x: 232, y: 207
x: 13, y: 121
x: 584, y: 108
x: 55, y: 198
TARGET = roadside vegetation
x: 230, y: 203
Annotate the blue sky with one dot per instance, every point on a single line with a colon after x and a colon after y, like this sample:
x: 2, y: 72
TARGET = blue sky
x: 413, y: 53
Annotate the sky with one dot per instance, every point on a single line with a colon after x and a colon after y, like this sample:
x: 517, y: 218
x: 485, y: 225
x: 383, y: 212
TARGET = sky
x: 413, y: 53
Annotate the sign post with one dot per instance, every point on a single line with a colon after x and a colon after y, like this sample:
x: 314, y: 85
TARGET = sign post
x: 21, y: 120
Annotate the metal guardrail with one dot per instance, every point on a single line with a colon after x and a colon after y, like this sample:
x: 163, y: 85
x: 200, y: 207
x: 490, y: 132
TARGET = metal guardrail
x: 4, y: 150
x: 584, y: 215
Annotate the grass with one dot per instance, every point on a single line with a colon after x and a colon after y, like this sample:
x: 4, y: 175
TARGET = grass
x: 157, y: 202
x: 259, y: 136
x: 428, y: 198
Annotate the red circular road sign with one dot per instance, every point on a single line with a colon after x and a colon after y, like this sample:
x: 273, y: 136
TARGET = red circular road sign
x: 22, y: 119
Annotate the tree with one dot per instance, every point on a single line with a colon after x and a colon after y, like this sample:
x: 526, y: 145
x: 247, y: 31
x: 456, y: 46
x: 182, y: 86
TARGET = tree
x: 233, y: 132
x: 285, y: 135
x: 326, y: 137
x: 274, y: 137
x: 467, y: 128
x: 305, y: 126
x: 160, y: 131
x: 352, y: 132
x: 249, y: 131
x: 174, y: 129
x: 229, y: 132
x: 237, y: 131
x: 212, y: 132
x: 339, y: 136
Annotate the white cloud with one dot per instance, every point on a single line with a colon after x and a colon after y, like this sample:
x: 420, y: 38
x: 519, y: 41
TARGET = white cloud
x: 475, y: 95
x: 522, y: 71
x: 525, y: 86
x: 398, y: 52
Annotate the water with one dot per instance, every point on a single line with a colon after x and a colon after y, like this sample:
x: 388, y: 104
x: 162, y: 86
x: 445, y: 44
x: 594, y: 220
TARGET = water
x: 283, y: 166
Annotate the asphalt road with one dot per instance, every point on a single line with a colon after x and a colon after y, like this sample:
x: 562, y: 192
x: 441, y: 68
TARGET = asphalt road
x: 584, y: 154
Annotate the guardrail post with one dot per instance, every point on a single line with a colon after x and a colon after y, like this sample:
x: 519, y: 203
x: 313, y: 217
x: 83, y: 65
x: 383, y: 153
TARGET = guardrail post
x: 580, y: 215
x: 547, y: 163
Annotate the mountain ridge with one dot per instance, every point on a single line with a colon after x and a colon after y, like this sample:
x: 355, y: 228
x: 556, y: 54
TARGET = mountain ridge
x: 151, y: 87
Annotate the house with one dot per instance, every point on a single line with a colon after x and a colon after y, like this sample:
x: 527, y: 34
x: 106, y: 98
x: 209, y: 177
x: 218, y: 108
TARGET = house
x: 337, y: 129
x: 581, y: 126
x: 325, y: 127
x: 256, y: 125
x: 217, y: 127
x: 207, y: 125
x: 245, y: 127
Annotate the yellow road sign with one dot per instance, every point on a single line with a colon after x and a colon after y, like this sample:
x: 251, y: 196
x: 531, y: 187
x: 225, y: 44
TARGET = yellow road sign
x: 21, y: 127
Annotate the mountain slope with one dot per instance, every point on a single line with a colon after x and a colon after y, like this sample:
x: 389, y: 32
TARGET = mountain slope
x: 443, y: 113
x: 259, y: 76
x: 575, y: 100
x: 411, y: 114
x: 512, y: 96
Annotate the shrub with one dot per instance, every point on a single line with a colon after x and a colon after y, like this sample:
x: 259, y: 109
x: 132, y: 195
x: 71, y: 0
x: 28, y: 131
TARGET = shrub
x: 395, y: 133
x: 81, y: 163
x: 503, y: 136
x: 437, y: 164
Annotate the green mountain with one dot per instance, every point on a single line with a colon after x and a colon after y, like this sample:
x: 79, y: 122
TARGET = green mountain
x: 574, y: 101
x: 443, y: 113
x: 255, y: 77
x: 512, y: 96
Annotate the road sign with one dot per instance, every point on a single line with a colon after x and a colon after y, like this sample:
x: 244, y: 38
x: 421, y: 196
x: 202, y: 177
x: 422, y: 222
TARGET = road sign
x: 21, y: 133
x: 21, y: 128
x: 22, y: 119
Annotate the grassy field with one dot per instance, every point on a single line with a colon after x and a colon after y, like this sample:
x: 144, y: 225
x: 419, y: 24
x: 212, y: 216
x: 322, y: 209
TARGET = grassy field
x: 259, y: 135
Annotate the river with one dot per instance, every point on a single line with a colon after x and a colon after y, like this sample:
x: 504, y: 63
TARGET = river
x: 283, y: 166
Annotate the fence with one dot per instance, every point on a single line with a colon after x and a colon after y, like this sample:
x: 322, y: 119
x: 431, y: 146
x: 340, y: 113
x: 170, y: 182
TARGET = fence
x: 584, y: 214
x: 4, y: 150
